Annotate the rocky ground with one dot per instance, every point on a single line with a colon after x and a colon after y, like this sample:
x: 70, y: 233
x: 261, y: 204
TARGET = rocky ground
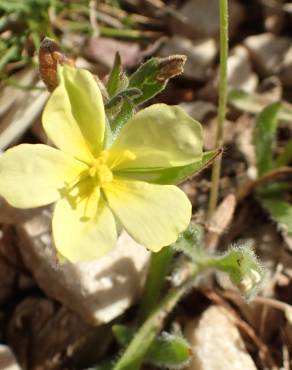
x: 58, y: 317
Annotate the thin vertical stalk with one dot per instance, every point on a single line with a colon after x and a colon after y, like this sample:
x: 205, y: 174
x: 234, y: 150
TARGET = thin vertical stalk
x: 223, y: 15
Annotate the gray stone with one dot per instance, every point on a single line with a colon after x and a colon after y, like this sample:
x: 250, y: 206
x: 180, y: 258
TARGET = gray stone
x: 98, y: 290
x: 216, y: 343
x: 240, y: 73
x: 268, y: 52
x: 7, y: 359
x: 200, y: 110
x: 200, y: 18
x: 286, y: 72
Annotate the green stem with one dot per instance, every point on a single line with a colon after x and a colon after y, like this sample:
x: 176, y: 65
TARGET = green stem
x: 158, y: 269
x: 133, y: 357
x: 223, y: 11
x: 122, y: 33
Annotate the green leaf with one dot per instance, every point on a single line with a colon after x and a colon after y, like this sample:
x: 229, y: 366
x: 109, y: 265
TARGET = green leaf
x: 243, y: 268
x: 255, y: 103
x: 152, y: 76
x: 169, y: 351
x: 280, y: 211
x: 174, y: 175
x: 190, y: 242
x: 264, y: 134
x: 145, y: 79
x: 10, y: 7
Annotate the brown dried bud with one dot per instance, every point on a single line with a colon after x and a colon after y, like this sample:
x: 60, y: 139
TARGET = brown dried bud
x: 171, y: 66
x: 49, y: 58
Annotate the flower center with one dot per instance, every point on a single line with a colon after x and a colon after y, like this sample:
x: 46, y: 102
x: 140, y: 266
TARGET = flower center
x: 98, y: 174
x: 99, y: 169
x: 126, y: 155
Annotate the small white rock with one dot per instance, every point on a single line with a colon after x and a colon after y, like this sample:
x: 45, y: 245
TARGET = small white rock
x: 201, y: 18
x: 240, y: 73
x: 7, y: 359
x: 99, y: 290
x: 286, y: 73
x: 199, y: 109
x: 268, y: 52
x: 216, y: 343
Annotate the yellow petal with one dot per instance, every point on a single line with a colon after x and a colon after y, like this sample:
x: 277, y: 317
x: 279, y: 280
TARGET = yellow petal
x: 86, y: 232
x: 153, y: 215
x: 33, y: 175
x: 159, y: 136
x: 74, y: 117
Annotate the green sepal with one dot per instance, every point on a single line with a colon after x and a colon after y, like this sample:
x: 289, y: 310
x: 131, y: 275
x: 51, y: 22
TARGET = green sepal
x: 117, y: 101
x: 126, y: 111
x: 173, y: 175
x: 149, y: 79
x: 120, y: 109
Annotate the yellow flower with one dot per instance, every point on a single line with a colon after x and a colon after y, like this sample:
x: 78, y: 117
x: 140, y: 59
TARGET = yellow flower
x: 95, y: 185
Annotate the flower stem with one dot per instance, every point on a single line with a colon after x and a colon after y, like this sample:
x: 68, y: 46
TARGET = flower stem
x: 223, y: 11
x: 158, y: 269
x: 133, y: 356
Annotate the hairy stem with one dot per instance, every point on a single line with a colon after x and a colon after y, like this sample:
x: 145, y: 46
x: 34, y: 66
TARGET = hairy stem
x: 223, y: 11
x: 133, y: 357
x: 158, y: 269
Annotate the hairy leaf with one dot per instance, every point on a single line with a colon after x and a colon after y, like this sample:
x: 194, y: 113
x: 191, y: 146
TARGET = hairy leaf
x: 152, y: 76
x: 264, y: 134
x: 255, y: 103
x: 190, y: 242
x: 167, y: 350
x: 280, y: 211
x: 243, y: 268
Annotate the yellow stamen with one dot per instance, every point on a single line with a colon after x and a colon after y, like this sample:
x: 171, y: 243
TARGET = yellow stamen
x: 100, y: 170
x: 126, y: 155
x: 104, y: 174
